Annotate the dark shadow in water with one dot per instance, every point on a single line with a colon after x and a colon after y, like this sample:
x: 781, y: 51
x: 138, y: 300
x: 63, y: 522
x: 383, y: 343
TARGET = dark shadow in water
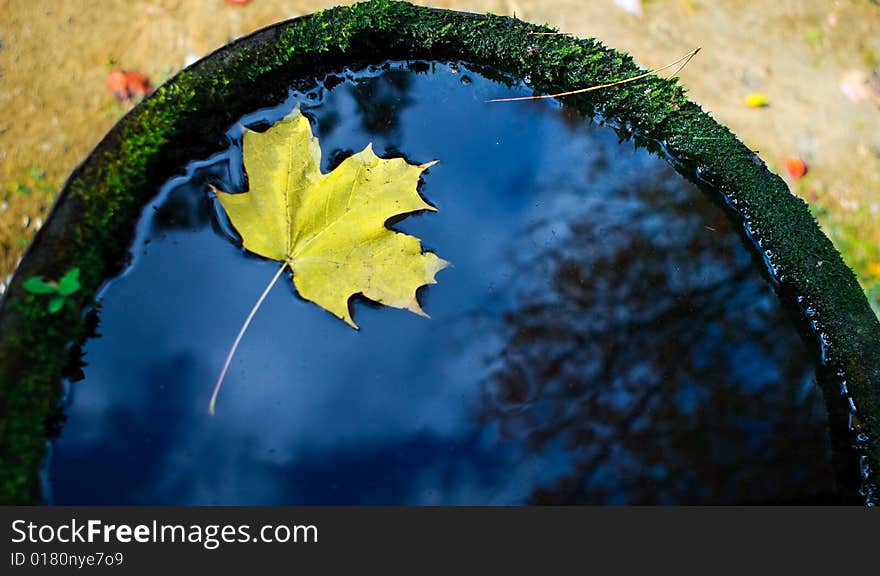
x: 381, y: 100
x: 602, y: 336
x: 656, y: 355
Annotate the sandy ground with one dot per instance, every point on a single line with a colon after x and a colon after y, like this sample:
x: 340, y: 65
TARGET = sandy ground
x: 818, y: 62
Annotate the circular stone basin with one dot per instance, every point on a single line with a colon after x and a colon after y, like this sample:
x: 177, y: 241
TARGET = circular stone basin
x: 608, y: 332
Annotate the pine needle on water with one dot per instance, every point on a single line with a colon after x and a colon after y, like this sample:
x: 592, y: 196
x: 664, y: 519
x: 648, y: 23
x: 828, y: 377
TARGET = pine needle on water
x: 681, y: 63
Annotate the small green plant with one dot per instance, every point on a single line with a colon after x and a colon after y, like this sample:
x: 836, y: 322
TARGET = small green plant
x: 67, y: 285
x: 35, y: 182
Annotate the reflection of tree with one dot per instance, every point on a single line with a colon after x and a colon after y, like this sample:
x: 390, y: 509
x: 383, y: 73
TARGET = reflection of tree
x: 187, y: 206
x: 183, y: 209
x: 657, y: 354
x: 381, y: 99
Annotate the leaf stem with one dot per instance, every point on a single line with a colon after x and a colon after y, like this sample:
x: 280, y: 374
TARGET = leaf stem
x: 241, y: 332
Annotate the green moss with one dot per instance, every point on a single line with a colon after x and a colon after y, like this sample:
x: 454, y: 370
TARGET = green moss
x: 92, y: 224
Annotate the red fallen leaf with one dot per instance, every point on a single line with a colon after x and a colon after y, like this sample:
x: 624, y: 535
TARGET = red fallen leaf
x: 795, y: 166
x: 126, y: 85
x: 238, y: 2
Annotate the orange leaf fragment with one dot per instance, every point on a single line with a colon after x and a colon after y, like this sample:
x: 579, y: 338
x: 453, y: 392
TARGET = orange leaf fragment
x: 126, y: 85
x: 795, y: 166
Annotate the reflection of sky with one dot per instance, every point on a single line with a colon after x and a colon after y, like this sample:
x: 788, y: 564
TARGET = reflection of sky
x: 313, y: 411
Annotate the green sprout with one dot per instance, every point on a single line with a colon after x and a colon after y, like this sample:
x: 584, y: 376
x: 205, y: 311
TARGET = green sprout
x: 35, y: 182
x: 67, y: 285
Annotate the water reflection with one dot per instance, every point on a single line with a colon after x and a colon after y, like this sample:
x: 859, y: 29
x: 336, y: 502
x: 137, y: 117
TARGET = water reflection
x: 650, y: 349
x: 602, y: 337
x: 381, y: 100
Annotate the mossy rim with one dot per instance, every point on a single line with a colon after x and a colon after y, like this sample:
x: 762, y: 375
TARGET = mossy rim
x: 91, y: 224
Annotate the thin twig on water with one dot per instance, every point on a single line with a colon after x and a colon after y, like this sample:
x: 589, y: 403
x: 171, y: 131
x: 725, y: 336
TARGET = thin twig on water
x: 683, y: 61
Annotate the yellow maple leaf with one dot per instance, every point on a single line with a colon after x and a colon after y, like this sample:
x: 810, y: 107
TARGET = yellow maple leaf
x: 329, y: 229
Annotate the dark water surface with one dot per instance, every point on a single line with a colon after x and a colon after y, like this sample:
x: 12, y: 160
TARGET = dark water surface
x: 602, y: 337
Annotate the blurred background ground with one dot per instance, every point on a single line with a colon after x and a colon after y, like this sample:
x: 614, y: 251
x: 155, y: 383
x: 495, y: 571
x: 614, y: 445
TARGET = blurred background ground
x: 817, y: 62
